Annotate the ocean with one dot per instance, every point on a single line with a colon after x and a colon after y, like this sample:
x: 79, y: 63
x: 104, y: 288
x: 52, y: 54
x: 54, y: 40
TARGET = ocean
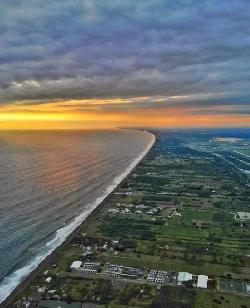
x: 50, y: 181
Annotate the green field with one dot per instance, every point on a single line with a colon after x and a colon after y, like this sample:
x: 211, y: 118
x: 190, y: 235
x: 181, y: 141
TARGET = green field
x: 176, y: 213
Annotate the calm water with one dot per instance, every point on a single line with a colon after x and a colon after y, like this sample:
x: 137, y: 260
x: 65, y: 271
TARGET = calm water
x: 49, y: 182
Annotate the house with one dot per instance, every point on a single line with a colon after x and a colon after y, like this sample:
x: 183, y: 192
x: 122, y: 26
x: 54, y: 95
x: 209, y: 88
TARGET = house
x: 184, y: 276
x: 48, y: 279
x: 75, y: 266
x: 202, y: 281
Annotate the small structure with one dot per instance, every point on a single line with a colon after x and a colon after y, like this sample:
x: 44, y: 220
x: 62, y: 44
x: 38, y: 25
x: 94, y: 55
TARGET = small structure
x: 113, y: 270
x: 243, y: 216
x: 202, y: 281
x: 41, y: 290
x: 184, y: 276
x: 117, y: 270
x: 48, y: 279
x: 90, y: 267
x: 75, y: 266
x: 157, y: 276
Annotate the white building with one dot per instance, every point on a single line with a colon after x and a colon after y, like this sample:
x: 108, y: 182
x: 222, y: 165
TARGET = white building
x: 184, y: 276
x: 76, y: 265
x: 48, y: 279
x: 202, y: 281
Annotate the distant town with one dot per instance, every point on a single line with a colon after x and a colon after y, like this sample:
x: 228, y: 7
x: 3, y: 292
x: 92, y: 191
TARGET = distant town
x: 175, y: 233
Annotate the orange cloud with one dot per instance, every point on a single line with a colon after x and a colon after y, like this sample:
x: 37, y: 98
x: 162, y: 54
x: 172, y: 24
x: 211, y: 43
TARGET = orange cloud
x: 96, y: 114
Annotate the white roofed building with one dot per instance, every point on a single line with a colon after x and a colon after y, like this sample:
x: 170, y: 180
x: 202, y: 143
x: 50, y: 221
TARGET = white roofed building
x: 184, y: 276
x: 202, y: 281
x: 76, y: 265
x: 48, y: 279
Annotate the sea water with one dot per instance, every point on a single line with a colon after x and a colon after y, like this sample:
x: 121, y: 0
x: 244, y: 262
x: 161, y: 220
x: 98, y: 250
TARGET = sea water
x: 50, y: 181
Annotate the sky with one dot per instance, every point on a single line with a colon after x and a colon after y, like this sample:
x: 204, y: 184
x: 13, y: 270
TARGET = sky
x: 69, y: 64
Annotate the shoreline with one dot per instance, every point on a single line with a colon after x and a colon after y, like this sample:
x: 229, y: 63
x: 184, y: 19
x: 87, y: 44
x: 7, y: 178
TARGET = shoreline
x: 87, y: 217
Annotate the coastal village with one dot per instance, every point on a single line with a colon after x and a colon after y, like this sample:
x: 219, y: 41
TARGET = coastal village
x: 175, y: 233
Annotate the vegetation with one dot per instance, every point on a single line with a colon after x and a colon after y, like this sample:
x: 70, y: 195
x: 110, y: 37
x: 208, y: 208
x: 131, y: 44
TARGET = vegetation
x: 177, y: 212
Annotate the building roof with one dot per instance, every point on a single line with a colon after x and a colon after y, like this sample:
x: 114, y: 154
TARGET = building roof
x: 48, y: 279
x: 184, y: 276
x: 202, y: 281
x: 76, y: 265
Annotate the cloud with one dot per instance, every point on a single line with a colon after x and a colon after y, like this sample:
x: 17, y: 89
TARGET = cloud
x: 63, y: 50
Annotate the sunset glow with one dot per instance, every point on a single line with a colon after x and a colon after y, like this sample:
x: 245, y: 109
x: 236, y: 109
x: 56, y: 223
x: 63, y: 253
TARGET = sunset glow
x: 98, y: 64
x: 91, y: 114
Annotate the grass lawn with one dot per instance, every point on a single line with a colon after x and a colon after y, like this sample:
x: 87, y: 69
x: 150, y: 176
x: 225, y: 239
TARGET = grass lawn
x: 169, y: 264
x: 175, y: 230
x: 214, y: 300
x: 188, y: 215
x: 64, y: 259
x: 91, y: 228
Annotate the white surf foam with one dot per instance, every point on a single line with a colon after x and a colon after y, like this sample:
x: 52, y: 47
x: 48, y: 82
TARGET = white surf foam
x: 10, y: 282
x: 242, y: 154
x: 245, y: 171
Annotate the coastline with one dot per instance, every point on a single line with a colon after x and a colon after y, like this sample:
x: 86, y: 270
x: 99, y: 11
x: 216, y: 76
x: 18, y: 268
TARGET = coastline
x: 84, y: 219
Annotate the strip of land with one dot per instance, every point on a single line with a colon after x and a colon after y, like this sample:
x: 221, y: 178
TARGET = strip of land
x: 175, y: 233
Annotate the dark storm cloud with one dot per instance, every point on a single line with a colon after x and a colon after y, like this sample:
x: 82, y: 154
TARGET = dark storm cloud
x: 59, y: 50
